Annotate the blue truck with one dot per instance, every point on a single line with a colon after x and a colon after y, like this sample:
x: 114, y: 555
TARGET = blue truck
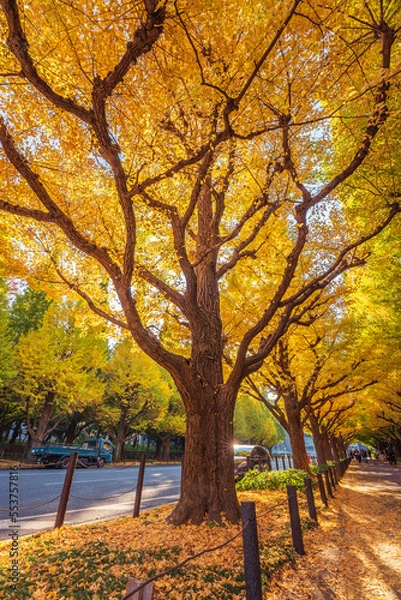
x: 96, y: 452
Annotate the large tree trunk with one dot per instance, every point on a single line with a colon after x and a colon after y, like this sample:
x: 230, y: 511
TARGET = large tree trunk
x: 208, y: 487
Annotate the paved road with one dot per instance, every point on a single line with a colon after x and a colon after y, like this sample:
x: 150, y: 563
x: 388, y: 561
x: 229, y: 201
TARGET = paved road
x: 108, y: 493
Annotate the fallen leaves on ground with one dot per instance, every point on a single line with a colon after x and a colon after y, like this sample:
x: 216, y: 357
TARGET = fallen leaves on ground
x: 95, y: 561
x: 353, y: 555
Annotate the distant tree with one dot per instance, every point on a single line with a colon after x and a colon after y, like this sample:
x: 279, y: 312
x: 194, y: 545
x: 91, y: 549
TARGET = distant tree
x: 27, y: 311
x: 169, y: 424
x: 9, y: 409
x: 254, y: 424
x: 7, y: 364
x: 136, y: 394
x: 58, y: 371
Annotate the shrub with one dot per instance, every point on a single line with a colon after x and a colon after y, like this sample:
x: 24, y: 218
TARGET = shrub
x: 272, y: 480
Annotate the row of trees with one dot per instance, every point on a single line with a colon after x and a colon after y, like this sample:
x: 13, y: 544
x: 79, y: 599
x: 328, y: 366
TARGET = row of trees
x: 60, y: 376
x: 189, y: 170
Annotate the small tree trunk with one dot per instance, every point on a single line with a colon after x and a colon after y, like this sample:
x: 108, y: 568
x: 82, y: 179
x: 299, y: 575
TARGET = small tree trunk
x: 296, y: 433
x: 167, y: 443
x: 38, y: 434
x: 334, y: 447
x: 119, y: 439
x: 327, y: 446
x: 118, y: 449
x: 159, y: 444
x: 318, y: 439
x: 16, y: 432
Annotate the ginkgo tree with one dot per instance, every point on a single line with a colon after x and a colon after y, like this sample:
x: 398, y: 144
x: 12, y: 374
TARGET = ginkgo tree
x: 163, y: 155
x: 136, y: 394
x: 57, y: 371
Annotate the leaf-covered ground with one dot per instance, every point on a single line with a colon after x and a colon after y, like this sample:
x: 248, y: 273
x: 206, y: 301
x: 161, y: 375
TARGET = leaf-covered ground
x: 93, y: 562
x: 354, y: 554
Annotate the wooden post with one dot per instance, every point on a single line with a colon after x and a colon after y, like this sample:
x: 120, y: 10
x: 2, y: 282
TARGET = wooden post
x: 65, y: 494
x: 296, y: 529
x: 145, y: 593
x: 322, y: 491
x: 332, y: 479
x: 253, y: 577
x: 328, y: 484
x: 276, y: 460
x: 139, y: 486
x: 283, y: 459
x: 248, y: 463
x: 310, y: 499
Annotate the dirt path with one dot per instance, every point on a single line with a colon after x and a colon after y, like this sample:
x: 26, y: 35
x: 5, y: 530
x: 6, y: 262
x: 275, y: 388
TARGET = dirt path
x: 356, y: 552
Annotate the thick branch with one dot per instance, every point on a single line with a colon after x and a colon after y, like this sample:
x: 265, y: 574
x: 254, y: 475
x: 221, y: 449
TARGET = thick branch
x: 19, y: 46
x: 59, y: 217
x: 22, y: 211
x: 175, y: 297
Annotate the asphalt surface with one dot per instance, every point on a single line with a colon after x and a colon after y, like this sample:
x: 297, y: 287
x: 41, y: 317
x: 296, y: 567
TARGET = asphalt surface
x: 96, y: 495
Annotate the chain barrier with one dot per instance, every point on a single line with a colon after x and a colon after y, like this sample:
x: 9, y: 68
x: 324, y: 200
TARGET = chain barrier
x: 82, y: 464
x: 105, y: 497
x: 34, y: 506
x: 272, y: 508
x: 184, y: 562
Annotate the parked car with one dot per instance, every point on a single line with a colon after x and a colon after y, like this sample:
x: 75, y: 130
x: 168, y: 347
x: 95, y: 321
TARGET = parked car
x: 249, y: 457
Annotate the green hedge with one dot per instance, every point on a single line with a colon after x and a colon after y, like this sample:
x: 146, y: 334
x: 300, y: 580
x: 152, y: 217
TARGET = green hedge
x: 272, y: 480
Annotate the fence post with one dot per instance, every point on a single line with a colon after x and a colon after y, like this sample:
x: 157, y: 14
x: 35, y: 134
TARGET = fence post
x: 145, y: 593
x: 65, y: 494
x: 332, y: 479
x: 253, y: 577
x: 328, y: 484
x: 311, y: 500
x: 296, y: 529
x: 139, y: 486
x: 322, y: 491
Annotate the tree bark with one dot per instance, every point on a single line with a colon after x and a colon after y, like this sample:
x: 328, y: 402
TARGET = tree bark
x: 158, y: 451
x: 318, y: 439
x: 37, y: 434
x: 296, y: 433
x: 121, y: 435
x: 208, y: 488
x: 167, y: 443
x: 327, y: 446
x: 334, y: 448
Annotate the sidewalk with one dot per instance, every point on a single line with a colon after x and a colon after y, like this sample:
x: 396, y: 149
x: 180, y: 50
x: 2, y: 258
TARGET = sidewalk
x: 356, y: 552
